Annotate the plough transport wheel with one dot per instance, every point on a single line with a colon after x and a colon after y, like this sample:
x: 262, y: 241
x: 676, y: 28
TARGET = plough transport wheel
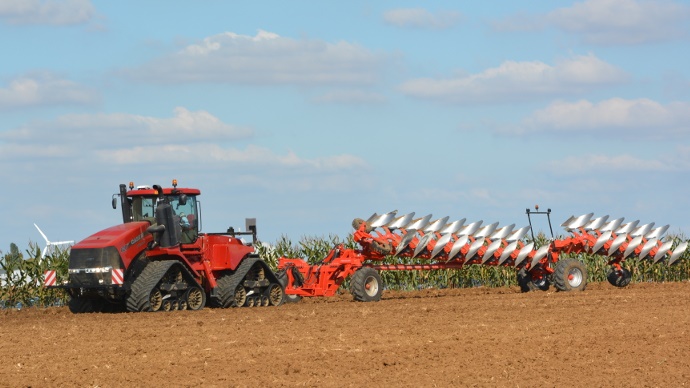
x: 570, y: 275
x: 366, y: 285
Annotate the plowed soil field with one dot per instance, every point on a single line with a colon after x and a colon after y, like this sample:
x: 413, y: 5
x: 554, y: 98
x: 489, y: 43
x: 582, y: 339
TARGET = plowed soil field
x: 633, y: 337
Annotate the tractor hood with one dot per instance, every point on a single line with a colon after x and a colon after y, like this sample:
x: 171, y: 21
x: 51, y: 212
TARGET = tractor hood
x: 128, y: 239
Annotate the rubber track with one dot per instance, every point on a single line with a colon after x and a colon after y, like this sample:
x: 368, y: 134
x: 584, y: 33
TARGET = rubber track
x: 138, y: 299
x: 227, y: 284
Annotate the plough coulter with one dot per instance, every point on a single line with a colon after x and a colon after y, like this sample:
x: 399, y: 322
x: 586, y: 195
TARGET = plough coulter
x: 440, y: 245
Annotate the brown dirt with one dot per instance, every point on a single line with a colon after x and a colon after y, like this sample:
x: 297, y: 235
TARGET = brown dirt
x: 636, y: 336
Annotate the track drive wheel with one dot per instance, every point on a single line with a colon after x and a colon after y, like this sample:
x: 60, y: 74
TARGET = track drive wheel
x: 196, y: 298
x: 275, y: 294
x: 366, y: 285
x: 527, y: 284
x: 570, y: 275
x: 619, y: 278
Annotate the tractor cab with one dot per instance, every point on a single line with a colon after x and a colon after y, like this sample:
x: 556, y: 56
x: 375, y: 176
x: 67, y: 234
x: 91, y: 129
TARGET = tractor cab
x: 174, y: 208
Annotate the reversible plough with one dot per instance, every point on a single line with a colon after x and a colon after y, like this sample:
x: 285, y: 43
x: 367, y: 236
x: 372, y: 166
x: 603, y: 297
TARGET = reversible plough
x: 439, y: 244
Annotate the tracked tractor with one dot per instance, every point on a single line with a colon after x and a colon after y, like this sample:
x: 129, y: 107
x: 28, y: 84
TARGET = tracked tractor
x: 158, y: 259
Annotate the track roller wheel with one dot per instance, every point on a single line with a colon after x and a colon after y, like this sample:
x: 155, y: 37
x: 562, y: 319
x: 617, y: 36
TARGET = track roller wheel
x: 156, y: 300
x: 166, y: 305
x: 619, y: 278
x: 366, y: 285
x: 182, y: 305
x: 275, y: 294
x: 240, y: 296
x: 249, y: 302
x: 527, y: 284
x: 570, y: 275
x: 196, y: 298
x: 264, y: 301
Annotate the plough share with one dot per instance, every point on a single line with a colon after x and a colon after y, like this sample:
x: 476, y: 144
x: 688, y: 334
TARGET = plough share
x: 440, y: 245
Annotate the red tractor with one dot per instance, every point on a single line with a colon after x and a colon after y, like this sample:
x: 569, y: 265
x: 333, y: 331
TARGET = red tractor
x: 158, y: 260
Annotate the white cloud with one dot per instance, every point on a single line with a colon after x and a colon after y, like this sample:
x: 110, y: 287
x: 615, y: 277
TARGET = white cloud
x: 116, y: 129
x: 609, y: 22
x: 576, y: 165
x: 51, y: 12
x: 265, y: 59
x: 518, y: 81
x: 43, y: 89
x: 191, y: 139
x: 208, y: 153
x: 421, y: 18
x: 675, y: 160
x: 634, y: 118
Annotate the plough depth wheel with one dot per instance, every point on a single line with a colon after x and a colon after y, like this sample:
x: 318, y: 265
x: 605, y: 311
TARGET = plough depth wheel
x: 619, y: 278
x: 570, y: 275
x: 366, y: 285
x: 528, y: 284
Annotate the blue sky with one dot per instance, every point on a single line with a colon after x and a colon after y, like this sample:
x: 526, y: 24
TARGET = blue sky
x: 308, y: 114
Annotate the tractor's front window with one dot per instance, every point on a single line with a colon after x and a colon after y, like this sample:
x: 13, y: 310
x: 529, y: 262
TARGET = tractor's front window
x: 188, y: 217
x: 143, y: 209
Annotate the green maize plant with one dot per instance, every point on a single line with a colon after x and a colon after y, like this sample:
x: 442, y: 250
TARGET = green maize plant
x: 312, y: 249
x: 22, y: 278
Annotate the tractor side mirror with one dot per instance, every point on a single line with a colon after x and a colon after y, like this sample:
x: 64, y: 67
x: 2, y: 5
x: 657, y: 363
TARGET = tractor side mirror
x: 114, y: 203
x: 183, y: 199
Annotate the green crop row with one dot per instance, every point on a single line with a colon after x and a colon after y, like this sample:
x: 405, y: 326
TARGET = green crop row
x: 21, y: 281
x: 22, y: 274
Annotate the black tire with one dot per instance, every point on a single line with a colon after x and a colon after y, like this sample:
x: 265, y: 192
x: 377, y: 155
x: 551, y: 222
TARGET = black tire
x: 384, y: 249
x: 84, y: 305
x: 292, y: 298
x: 570, y: 275
x: 357, y: 223
x: 366, y: 285
x: 524, y: 279
x: 619, y: 278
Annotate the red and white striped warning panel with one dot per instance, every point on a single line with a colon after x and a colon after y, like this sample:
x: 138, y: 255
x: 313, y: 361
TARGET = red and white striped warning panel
x: 118, y: 276
x: 50, y: 278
